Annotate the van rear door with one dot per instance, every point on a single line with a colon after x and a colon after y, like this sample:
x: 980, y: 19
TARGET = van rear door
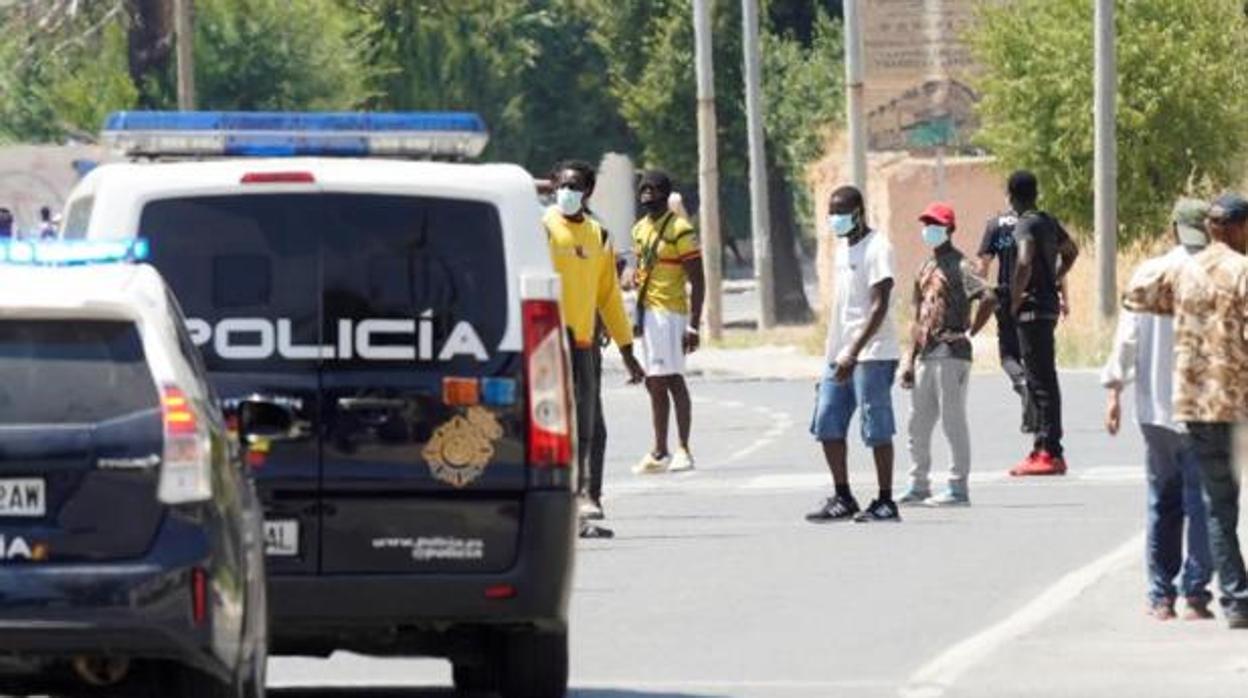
x: 375, y: 321
x: 245, y: 270
x: 423, y: 457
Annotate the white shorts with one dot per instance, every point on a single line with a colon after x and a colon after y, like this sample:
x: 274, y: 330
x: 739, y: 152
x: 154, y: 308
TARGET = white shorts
x: 662, y: 342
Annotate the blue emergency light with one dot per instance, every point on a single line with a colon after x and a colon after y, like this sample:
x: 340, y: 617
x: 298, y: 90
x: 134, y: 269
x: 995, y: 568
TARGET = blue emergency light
x: 286, y: 134
x: 73, y: 252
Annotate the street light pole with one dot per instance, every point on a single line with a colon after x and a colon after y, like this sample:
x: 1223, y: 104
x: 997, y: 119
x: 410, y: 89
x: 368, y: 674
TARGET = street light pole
x: 708, y: 170
x: 760, y: 214
x: 185, y: 48
x: 1106, y: 164
x: 854, y: 102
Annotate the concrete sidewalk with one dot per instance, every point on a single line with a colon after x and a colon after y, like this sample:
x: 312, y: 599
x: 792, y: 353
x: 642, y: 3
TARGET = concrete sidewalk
x: 1104, y: 644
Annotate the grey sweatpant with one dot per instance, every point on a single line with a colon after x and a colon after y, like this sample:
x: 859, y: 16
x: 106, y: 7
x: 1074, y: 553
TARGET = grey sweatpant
x: 939, y: 393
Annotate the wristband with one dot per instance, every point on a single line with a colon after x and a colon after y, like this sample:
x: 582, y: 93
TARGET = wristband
x: 691, y: 330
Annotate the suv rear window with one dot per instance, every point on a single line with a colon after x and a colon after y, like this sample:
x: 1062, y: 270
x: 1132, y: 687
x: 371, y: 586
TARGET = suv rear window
x: 72, y: 372
x: 287, y: 273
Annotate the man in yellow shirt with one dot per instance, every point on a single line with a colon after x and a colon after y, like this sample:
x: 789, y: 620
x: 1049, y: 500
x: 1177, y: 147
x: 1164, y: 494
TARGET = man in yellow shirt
x: 668, y: 260
x: 585, y: 260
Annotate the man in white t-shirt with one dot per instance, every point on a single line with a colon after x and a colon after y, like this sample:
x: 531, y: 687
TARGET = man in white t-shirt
x: 862, y: 358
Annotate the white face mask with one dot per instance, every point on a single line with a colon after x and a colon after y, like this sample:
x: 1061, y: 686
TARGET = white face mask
x: 841, y: 224
x: 935, y: 235
x: 568, y: 201
x: 1190, y: 237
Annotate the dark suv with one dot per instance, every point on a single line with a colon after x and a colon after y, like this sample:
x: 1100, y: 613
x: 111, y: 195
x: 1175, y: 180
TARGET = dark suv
x: 131, y: 550
x: 395, y: 326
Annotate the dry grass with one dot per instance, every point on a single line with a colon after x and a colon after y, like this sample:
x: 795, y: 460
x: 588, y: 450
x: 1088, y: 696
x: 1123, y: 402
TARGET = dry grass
x: 807, y: 338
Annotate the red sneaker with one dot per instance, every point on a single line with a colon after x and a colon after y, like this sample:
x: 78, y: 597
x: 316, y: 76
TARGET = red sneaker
x: 1025, y: 464
x: 1042, y: 463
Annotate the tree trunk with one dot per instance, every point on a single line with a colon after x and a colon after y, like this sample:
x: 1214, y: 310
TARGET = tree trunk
x: 150, y: 49
x: 792, y: 308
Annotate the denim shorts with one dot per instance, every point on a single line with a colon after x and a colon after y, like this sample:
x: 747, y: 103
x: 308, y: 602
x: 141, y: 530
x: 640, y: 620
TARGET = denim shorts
x: 870, y: 388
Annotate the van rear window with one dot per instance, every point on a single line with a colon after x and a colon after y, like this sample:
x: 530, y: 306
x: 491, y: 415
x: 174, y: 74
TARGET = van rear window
x: 285, y: 282
x: 72, y: 372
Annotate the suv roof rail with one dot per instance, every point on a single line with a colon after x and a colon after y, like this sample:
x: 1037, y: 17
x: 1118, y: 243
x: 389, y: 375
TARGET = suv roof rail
x: 199, y: 134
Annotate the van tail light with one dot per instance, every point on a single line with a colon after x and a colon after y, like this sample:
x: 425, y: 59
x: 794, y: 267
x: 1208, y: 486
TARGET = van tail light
x: 546, y: 374
x: 186, y: 473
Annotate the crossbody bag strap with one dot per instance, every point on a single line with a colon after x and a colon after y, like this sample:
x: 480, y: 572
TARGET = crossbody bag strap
x: 650, y: 259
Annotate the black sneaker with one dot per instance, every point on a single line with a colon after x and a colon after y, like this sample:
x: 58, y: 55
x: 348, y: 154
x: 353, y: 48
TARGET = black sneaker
x: 834, y: 509
x: 880, y: 511
x: 1237, y: 619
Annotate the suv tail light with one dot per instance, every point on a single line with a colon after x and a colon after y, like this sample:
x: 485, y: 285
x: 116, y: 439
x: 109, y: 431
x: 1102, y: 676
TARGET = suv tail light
x: 186, y: 475
x: 546, y: 373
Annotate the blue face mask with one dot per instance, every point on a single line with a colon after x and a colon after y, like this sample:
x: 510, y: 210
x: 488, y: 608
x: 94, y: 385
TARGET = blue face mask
x: 842, y: 224
x: 569, y: 201
x: 935, y: 235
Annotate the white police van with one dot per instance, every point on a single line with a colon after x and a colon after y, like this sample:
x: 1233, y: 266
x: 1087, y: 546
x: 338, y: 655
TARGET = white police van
x: 399, y: 319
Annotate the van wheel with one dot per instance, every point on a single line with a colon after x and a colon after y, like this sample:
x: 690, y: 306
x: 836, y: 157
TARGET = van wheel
x: 186, y: 682
x: 534, y: 665
x: 473, y: 679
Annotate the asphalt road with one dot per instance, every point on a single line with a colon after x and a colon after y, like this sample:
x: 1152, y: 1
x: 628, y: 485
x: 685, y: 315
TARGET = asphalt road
x: 715, y: 586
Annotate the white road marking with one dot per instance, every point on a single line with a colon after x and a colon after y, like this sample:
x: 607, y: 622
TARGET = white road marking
x: 938, y: 676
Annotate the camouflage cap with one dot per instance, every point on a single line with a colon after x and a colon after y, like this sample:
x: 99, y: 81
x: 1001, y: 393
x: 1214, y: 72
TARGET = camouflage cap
x: 1189, y: 217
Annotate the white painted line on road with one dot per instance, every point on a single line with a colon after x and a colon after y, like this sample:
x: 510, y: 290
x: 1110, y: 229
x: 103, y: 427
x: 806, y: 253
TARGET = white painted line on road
x: 721, y: 684
x: 940, y: 674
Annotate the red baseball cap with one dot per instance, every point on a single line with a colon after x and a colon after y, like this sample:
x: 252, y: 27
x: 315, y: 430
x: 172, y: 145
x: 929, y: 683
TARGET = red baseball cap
x: 940, y: 214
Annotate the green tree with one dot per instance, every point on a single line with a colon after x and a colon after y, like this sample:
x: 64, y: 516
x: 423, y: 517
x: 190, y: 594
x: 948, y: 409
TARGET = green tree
x: 525, y: 65
x: 274, y: 54
x: 1182, y: 101
x: 649, y: 45
x: 61, y: 70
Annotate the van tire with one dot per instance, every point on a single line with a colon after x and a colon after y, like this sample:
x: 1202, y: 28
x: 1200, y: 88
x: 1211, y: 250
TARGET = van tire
x: 186, y: 682
x: 534, y: 665
x: 473, y: 679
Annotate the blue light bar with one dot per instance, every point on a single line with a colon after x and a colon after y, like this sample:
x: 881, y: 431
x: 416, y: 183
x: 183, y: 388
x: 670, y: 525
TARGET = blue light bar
x: 73, y: 252
x: 280, y: 134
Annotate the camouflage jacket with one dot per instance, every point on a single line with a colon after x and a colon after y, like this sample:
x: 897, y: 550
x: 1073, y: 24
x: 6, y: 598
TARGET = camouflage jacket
x: 1208, y: 297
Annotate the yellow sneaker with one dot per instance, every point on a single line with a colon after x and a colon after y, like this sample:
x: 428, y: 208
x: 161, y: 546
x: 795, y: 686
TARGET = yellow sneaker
x: 651, y: 464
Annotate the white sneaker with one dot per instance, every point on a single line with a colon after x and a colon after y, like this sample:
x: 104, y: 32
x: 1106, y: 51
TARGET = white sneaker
x: 681, y: 462
x: 651, y: 465
x: 591, y: 511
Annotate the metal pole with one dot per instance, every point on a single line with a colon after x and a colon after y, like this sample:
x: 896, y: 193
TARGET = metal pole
x: 1106, y: 164
x: 185, y: 47
x: 708, y: 170
x: 854, y: 102
x: 760, y: 213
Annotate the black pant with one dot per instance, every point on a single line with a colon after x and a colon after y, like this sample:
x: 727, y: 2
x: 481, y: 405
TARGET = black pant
x: 586, y: 383
x: 598, y: 443
x: 1012, y: 362
x: 1211, y: 441
x: 1036, y: 345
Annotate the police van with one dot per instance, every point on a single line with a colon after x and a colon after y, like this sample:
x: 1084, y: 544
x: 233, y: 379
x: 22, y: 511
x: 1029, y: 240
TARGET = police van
x: 396, y: 318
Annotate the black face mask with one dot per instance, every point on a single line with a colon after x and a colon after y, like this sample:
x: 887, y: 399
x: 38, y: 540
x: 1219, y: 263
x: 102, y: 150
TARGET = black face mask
x: 654, y: 206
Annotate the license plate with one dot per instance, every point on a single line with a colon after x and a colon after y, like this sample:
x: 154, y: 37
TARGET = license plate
x: 25, y: 497
x: 281, y: 538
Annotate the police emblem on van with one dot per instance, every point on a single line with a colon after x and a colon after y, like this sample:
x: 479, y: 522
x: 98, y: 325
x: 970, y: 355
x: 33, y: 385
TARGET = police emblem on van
x: 372, y: 339
x: 461, y: 448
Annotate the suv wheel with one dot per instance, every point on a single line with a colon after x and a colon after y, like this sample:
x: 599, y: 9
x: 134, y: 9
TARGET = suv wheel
x: 534, y: 665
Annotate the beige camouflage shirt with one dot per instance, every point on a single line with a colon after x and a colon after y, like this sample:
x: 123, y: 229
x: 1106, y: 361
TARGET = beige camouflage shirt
x: 1208, y: 297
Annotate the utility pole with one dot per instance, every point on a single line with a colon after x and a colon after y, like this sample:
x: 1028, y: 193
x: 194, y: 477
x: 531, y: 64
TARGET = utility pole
x: 185, y: 43
x: 854, y: 102
x: 708, y: 170
x: 760, y: 210
x: 1106, y: 164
